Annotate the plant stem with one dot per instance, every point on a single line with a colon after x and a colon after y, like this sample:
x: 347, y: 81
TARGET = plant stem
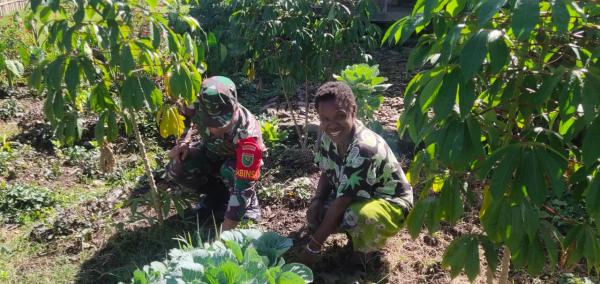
x: 305, y: 141
x: 153, y: 188
x: 289, y: 103
x: 504, y: 266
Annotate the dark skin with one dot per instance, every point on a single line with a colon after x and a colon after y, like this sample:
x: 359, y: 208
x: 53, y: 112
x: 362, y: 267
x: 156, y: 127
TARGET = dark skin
x: 338, y: 124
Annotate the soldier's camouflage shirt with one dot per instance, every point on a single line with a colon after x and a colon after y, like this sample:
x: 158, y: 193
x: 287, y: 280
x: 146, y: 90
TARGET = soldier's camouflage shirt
x: 247, y: 126
x: 369, y: 170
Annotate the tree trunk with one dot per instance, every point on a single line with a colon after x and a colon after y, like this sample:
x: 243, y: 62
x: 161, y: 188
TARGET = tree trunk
x: 153, y: 189
x: 504, y: 266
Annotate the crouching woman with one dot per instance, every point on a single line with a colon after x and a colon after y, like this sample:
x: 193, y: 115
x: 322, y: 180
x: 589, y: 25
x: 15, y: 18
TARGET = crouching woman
x: 362, y: 189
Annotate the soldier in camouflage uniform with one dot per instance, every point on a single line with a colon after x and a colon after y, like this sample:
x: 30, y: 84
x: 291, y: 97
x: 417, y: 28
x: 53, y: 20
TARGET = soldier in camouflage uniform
x: 230, y: 146
x: 362, y: 189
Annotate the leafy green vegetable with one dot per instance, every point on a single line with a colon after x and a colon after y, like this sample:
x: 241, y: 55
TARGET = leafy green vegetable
x: 240, y: 256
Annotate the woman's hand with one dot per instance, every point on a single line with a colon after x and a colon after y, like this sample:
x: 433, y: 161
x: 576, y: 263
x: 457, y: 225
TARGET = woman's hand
x: 312, y: 214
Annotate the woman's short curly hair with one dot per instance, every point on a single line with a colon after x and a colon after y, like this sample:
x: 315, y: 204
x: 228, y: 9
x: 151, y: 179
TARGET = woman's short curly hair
x: 338, y: 91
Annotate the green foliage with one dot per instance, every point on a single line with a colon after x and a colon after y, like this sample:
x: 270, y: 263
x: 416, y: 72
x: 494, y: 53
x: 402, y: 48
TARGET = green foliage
x: 507, y: 99
x: 15, y: 42
x: 9, y: 109
x: 272, y: 135
x: 366, y: 86
x: 20, y: 202
x: 292, y: 39
x: 239, y: 256
x: 111, y: 61
x: 296, y: 192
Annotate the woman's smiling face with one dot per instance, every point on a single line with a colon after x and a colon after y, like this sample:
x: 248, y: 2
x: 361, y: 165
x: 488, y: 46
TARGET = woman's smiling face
x: 336, y: 121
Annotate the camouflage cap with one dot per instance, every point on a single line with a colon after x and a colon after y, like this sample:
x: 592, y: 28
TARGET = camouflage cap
x: 218, y: 99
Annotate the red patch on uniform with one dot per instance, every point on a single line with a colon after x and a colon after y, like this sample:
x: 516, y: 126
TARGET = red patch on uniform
x: 248, y: 159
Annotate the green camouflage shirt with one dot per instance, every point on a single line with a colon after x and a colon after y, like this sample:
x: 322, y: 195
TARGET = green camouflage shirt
x: 369, y: 170
x: 246, y: 126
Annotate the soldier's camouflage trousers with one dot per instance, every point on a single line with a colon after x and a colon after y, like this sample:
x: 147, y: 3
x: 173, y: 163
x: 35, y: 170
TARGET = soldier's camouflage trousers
x: 193, y: 173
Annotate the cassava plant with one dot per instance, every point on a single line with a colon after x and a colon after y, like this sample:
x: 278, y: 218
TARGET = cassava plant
x: 117, y: 59
x: 366, y: 86
x: 506, y: 106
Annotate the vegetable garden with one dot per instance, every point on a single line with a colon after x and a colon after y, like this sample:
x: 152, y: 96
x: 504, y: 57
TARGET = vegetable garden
x: 492, y: 107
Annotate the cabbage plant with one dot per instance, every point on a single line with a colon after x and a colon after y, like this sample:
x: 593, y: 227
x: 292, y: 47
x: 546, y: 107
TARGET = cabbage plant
x: 239, y: 256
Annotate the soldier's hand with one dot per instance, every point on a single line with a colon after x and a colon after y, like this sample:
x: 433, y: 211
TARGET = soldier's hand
x: 180, y: 151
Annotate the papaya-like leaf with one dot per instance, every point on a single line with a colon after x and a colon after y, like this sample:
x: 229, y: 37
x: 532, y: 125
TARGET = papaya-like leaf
x: 486, y: 9
x: 591, y: 151
x: 473, y: 54
x: 526, y: 15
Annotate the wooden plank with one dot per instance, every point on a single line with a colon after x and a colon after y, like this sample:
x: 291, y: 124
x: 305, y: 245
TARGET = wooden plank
x: 10, y: 6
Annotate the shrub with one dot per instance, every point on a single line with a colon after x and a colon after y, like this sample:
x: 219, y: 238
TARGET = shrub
x: 240, y: 256
x: 9, y: 109
x: 366, y: 86
x: 272, y: 135
x: 22, y: 202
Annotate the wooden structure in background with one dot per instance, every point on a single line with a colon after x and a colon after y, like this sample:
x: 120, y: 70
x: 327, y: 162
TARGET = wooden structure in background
x: 8, y: 7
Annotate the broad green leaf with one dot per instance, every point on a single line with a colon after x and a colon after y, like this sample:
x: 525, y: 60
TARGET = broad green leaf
x: 151, y: 93
x: 156, y: 32
x: 113, y: 127
x: 132, y: 94
x: 473, y: 54
x: 127, y: 62
x: 502, y: 176
x: 451, y: 202
x: 547, y: 88
x: 466, y: 97
x: 532, y: 172
x: 35, y: 79
x: 560, y: 16
x: 416, y: 218
x: 455, y: 6
x: 486, y: 10
x: 499, y: 53
x: 181, y: 84
x: 472, y: 259
x: 72, y: 77
x: 288, y: 277
x: 591, y: 95
x: 15, y: 67
x: 536, y: 257
x: 490, y: 252
x: 54, y: 73
x: 272, y: 245
x: 427, y: 96
x: 139, y: 277
x: 592, y: 197
x: 551, y: 248
x: 591, y: 151
x: 526, y: 14
x: 455, y: 255
x: 101, y: 99
x: 553, y: 167
x: 230, y: 273
x: 446, y: 96
x: 299, y: 269
x: 449, y: 44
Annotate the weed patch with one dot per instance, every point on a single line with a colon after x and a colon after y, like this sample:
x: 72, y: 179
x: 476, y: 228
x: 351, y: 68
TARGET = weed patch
x: 20, y: 203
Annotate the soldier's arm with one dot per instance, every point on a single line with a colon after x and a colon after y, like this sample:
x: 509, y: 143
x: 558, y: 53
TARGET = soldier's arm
x: 247, y: 172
